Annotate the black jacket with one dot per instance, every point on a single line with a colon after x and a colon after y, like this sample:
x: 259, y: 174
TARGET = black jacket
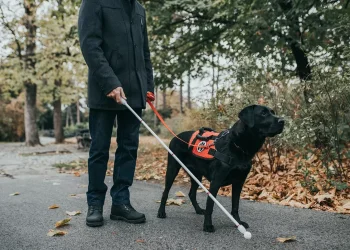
x: 114, y: 42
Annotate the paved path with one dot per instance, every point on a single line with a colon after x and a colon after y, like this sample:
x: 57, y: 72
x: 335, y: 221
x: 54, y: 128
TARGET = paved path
x: 25, y: 219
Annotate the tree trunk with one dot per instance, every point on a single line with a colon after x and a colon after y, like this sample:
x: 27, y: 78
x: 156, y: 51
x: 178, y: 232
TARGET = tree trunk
x: 213, y: 83
x: 71, y: 116
x: 301, y: 59
x: 31, y: 128
x: 181, y: 97
x: 155, y: 119
x: 303, y: 69
x: 164, y: 96
x: 189, y: 104
x: 78, y: 112
x: 57, y: 113
x: 217, y: 79
x: 67, y: 116
x: 57, y: 121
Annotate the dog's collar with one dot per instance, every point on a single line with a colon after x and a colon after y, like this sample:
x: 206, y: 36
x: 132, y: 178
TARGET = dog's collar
x: 238, y: 147
x: 226, y: 132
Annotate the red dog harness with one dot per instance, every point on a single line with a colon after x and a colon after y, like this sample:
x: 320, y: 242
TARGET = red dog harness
x: 202, y: 144
x: 203, y: 139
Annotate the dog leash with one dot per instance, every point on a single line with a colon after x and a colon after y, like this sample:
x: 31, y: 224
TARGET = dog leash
x: 169, y: 129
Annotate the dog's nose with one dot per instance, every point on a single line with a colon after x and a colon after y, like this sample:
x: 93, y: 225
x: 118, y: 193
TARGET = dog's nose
x: 281, y: 121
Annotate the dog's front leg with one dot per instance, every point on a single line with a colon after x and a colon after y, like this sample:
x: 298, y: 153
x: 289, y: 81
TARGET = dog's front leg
x: 208, y: 225
x: 236, y: 191
x: 214, y: 188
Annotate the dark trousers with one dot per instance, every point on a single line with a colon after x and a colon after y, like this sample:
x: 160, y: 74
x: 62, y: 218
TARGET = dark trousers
x: 101, y: 126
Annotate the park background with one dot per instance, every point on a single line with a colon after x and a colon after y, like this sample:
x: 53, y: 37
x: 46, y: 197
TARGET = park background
x: 211, y: 59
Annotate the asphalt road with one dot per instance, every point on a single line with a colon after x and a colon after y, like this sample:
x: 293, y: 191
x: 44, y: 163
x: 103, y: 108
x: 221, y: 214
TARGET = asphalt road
x: 25, y: 219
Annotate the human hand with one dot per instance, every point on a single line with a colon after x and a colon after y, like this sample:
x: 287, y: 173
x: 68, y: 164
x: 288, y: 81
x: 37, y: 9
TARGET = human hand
x: 117, y: 94
x: 150, y: 96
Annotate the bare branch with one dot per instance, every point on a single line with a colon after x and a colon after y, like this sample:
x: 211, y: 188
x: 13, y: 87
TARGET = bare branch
x: 12, y: 31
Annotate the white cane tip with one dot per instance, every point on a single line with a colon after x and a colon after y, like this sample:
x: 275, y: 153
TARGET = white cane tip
x: 247, y: 235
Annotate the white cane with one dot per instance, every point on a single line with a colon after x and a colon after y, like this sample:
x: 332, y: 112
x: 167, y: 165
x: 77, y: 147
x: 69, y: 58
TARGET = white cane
x: 241, y: 228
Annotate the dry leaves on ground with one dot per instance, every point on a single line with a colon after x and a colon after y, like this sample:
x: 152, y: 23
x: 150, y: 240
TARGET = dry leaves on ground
x: 140, y: 241
x: 283, y: 183
x: 54, y: 206
x: 73, y: 213
x: 177, y: 202
x: 15, y: 194
x: 62, y: 223
x: 289, y: 239
x: 56, y: 233
x: 180, y: 194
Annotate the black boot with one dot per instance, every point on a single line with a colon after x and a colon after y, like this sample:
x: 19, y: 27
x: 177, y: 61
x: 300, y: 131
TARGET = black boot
x: 94, y: 216
x: 127, y: 213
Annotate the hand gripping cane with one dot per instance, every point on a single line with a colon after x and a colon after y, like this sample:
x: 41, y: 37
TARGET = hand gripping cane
x: 241, y: 228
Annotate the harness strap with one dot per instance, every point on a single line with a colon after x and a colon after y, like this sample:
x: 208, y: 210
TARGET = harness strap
x: 206, y: 138
x: 203, y: 129
x: 222, y: 157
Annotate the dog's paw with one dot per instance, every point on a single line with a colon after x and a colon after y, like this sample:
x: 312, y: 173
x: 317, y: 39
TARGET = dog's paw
x: 161, y: 215
x: 200, y: 211
x: 245, y: 224
x: 209, y: 228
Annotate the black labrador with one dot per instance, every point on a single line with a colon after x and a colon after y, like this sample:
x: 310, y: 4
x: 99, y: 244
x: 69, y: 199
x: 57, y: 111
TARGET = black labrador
x: 240, y: 143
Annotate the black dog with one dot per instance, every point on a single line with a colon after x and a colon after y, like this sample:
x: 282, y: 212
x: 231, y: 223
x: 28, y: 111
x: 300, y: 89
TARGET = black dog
x: 240, y: 143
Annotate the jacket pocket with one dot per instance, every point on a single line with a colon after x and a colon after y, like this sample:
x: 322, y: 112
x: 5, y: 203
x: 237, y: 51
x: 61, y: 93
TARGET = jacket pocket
x: 114, y: 62
x: 140, y: 19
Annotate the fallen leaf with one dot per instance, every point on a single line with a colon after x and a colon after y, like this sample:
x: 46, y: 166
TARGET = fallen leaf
x: 62, y: 222
x: 56, y: 233
x: 14, y: 194
x: 200, y: 191
x: 73, y: 213
x: 54, y: 206
x: 72, y: 195
x: 180, y: 194
x: 289, y: 239
x: 177, y: 202
x: 347, y: 206
x: 323, y: 197
x: 77, y: 174
x: 140, y: 241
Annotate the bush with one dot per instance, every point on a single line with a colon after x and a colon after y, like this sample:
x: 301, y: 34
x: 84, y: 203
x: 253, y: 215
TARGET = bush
x: 72, y: 131
x: 12, y: 121
x: 149, y: 117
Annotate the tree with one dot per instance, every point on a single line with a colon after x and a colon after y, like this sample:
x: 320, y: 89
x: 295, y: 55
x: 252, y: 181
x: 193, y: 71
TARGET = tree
x: 61, y: 57
x: 24, y: 49
x: 294, y: 34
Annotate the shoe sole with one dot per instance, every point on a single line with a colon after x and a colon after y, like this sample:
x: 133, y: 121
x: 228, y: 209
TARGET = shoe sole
x: 94, y: 224
x: 138, y: 221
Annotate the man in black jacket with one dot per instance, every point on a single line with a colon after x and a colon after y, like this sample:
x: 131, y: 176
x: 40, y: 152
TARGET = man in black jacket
x: 114, y: 42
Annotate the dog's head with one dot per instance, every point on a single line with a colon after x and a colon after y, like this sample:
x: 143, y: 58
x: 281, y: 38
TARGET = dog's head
x: 262, y: 119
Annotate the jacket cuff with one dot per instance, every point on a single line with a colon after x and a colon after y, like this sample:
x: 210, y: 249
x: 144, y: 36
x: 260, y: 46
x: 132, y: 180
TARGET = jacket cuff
x: 108, y: 86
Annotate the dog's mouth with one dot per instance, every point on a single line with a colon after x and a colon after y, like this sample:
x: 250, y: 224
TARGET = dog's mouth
x: 275, y: 130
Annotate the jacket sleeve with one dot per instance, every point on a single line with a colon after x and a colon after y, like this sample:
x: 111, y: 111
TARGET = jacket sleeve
x: 148, y: 63
x: 90, y: 37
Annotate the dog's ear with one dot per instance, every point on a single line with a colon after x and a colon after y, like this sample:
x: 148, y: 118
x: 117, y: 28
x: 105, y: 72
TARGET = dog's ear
x: 247, y: 116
